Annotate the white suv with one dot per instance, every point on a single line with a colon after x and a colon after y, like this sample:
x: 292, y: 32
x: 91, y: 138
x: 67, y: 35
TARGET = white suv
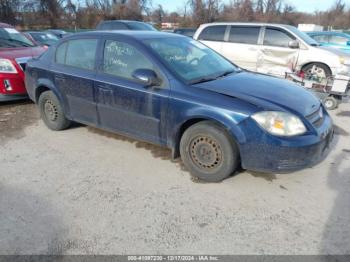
x: 273, y: 49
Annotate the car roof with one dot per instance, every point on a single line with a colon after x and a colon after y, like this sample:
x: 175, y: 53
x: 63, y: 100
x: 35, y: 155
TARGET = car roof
x: 247, y: 24
x: 122, y: 21
x: 3, y: 25
x: 327, y: 33
x: 140, y: 35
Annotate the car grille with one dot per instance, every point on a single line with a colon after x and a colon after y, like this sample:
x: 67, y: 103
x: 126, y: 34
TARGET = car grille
x: 317, y: 117
x: 23, y: 66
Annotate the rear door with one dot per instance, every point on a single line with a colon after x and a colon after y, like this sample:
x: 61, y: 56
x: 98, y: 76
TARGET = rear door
x: 241, y: 46
x: 213, y: 36
x: 275, y: 57
x: 74, y: 73
x: 124, y: 104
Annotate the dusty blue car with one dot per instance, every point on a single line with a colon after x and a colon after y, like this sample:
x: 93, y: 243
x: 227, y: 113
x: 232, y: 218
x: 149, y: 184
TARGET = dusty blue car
x: 333, y: 39
x: 173, y: 91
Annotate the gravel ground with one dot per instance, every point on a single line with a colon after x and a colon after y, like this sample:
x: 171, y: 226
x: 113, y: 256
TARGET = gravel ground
x: 86, y: 191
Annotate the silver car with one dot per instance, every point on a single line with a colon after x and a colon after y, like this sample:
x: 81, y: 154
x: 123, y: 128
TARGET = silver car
x: 273, y: 49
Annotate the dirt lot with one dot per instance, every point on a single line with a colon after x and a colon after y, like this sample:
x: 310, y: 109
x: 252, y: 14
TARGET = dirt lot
x: 84, y: 191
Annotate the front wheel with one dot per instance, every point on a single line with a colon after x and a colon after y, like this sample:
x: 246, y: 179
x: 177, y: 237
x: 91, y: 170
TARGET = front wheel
x: 209, y: 152
x: 51, y: 111
x: 317, y: 71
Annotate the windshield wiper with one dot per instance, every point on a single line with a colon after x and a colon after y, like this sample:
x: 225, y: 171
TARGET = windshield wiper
x: 226, y: 73
x: 202, y: 80
x: 207, y: 79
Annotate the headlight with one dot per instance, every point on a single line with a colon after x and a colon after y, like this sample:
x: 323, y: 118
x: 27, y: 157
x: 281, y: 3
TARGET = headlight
x: 344, y: 60
x: 6, y: 66
x: 280, y: 123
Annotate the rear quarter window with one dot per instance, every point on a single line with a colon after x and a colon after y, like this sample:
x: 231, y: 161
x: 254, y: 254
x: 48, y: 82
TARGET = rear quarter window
x: 61, y: 53
x: 213, y: 33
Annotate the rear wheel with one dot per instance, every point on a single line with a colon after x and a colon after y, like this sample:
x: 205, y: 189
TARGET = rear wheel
x: 209, y: 152
x: 51, y: 111
x: 331, y: 102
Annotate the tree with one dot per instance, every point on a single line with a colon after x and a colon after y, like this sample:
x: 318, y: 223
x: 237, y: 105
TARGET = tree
x: 8, y: 10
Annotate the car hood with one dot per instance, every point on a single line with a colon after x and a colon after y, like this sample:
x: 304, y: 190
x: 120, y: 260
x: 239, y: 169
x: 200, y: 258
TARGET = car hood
x: 13, y: 53
x: 267, y: 92
x: 335, y: 50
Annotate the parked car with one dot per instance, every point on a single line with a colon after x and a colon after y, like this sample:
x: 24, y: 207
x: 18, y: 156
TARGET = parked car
x: 173, y: 91
x: 43, y: 38
x: 58, y: 33
x: 185, y: 31
x: 124, y: 25
x: 15, y: 50
x: 332, y: 39
x: 273, y: 49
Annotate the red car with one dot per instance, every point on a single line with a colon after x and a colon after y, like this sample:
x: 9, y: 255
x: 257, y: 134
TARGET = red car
x: 15, y: 51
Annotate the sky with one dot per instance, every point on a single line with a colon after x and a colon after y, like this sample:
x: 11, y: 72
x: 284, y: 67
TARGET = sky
x: 301, y: 5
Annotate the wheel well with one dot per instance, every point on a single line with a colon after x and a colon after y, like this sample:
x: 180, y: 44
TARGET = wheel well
x: 39, y: 91
x: 184, y: 127
x: 320, y: 63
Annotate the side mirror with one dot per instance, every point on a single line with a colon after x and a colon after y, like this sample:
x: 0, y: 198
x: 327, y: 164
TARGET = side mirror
x: 147, y: 77
x: 294, y: 44
x: 348, y: 43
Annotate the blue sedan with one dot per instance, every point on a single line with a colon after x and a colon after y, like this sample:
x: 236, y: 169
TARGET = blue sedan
x: 173, y: 91
x: 332, y: 39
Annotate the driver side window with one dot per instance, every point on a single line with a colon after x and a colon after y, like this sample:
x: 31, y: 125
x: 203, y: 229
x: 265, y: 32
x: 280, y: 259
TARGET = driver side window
x: 121, y: 60
x: 276, y: 37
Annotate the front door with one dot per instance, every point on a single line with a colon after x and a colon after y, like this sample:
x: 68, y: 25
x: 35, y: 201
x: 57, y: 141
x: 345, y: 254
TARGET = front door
x: 275, y: 57
x: 124, y: 104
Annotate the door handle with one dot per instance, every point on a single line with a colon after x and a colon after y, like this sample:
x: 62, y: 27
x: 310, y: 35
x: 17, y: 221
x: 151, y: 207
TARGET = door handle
x: 103, y: 87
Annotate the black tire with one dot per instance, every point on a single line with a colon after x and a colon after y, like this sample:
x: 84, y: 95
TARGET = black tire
x: 51, y: 111
x: 327, y: 71
x: 330, y: 102
x: 209, y: 152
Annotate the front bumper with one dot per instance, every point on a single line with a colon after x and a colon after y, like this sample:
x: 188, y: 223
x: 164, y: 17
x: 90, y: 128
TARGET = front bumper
x: 266, y: 153
x: 341, y: 70
x: 5, y: 98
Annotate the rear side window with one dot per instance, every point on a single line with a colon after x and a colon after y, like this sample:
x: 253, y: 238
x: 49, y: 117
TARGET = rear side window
x: 276, y: 37
x: 121, y: 59
x: 244, y: 35
x: 213, y: 33
x: 77, y: 53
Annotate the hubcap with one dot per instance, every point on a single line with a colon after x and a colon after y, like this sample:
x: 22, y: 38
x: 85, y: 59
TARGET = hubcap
x: 318, y: 72
x: 50, y: 110
x: 205, y: 152
x: 329, y: 104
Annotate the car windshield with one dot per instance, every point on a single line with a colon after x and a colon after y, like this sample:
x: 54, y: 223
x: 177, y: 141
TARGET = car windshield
x: 141, y: 26
x: 45, y: 38
x: 306, y: 38
x: 11, y: 38
x: 190, y: 60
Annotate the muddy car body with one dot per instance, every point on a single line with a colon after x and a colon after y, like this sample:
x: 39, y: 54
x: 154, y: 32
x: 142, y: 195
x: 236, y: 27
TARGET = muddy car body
x: 173, y: 91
